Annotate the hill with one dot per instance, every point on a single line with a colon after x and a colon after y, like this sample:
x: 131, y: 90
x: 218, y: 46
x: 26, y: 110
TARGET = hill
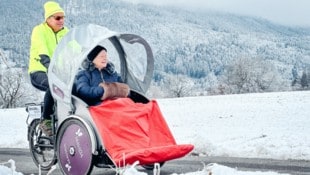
x: 199, y: 45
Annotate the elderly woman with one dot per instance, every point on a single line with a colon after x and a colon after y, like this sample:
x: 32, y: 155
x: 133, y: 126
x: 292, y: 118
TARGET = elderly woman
x: 99, y: 79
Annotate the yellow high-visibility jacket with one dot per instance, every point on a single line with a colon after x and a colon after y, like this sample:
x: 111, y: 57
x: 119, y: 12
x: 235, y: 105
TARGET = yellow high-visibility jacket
x: 43, y: 42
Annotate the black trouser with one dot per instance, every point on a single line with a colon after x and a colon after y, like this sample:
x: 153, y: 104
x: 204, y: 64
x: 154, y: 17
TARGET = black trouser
x: 39, y: 80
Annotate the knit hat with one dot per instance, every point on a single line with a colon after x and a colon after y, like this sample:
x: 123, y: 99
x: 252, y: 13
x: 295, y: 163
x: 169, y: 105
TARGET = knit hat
x: 50, y: 8
x: 93, y: 53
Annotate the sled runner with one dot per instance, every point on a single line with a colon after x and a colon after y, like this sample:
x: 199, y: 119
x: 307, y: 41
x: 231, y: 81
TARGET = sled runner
x: 115, y: 133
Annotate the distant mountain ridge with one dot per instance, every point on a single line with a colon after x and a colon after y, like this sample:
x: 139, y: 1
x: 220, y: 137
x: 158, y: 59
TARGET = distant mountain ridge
x: 191, y: 43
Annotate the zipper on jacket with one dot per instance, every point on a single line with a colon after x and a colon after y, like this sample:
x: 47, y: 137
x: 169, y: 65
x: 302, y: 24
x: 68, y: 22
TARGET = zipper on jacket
x: 101, y: 75
x: 56, y: 37
x: 55, y: 33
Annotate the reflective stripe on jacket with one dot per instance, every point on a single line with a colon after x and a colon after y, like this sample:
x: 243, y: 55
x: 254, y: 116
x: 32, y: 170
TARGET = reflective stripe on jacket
x: 43, y: 42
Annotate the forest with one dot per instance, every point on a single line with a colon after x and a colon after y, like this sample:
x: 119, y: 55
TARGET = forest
x: 196, y: 53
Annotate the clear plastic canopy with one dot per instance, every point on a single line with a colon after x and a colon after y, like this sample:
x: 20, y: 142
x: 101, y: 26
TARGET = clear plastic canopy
x: 131, y: 55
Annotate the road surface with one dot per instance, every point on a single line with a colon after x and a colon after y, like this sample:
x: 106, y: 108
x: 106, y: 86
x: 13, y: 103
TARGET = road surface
x: 25, y: 165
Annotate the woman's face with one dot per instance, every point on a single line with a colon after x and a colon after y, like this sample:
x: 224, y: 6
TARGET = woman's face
x: 101, y: 60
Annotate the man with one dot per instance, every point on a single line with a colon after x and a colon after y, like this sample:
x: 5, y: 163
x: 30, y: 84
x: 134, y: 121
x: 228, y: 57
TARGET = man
x: 44, y: 39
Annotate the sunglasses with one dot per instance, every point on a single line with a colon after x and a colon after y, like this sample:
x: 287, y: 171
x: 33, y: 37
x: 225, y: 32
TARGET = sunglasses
x: 58, y: 17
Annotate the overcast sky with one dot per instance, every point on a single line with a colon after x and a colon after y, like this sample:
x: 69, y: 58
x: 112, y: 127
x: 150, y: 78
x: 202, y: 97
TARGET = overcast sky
x: 287, y: 12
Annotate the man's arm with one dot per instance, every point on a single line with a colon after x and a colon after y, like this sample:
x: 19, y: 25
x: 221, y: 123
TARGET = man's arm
x: 45, y: 60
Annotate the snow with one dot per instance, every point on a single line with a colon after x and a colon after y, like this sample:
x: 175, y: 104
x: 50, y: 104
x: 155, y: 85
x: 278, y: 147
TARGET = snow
x: 262, y: 125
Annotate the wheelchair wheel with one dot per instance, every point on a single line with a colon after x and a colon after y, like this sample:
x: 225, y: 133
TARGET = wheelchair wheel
x: 41, y: 147
x: 74, y: 148
x: 151, y: 166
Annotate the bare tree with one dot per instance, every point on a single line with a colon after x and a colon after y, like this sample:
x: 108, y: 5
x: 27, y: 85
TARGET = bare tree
x: 11, y: 80
x: 178, y: 85
x: 3, y: 59
x: 11, y: 88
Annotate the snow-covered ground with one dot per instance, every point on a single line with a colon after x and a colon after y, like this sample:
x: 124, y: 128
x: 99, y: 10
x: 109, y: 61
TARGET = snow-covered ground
x: 266, y: 125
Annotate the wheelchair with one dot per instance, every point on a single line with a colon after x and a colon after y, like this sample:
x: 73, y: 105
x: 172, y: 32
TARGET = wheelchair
x: 77, y: 143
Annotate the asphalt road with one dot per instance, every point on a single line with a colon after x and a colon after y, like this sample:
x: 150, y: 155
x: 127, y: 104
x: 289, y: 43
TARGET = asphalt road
x: 25, y: 165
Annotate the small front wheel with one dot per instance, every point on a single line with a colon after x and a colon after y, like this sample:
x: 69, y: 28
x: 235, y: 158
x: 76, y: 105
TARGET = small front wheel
x: 41, y: 147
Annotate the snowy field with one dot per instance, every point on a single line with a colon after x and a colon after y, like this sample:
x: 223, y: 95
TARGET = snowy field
x: 266, y: 125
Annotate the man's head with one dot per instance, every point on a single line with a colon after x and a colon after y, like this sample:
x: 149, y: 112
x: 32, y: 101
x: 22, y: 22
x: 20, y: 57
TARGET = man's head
x: 54, y: 15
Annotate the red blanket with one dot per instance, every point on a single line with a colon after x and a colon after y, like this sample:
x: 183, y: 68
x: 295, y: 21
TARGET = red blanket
x: 135, y: 131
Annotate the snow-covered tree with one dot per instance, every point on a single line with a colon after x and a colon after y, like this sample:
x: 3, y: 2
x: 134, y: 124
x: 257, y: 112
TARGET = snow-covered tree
x: 194, y: 44
x: 294, y: 75
x: 247, y: 75
x: 304, y: 80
